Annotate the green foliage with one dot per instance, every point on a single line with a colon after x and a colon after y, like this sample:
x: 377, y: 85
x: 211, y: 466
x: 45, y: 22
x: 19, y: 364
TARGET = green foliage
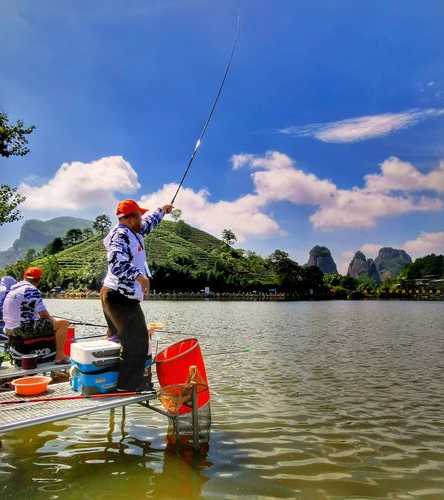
x: 87, y: 233
x: 297, y: 280
x: 183, y: 230
x: 333, y: 280
x: 176, y: 214
x: 72, y: 237
x: 17, y: 269
x: 102, y: 224
x: 10, y: 199
x: 349, y: 283
x: 366, y: 285
x: 187, y: 259
x: 339, y: 292
x: 278, y: 256
x: 13, y: 137
x: 346, y: 287
x: 30, y: 255
x: 228, y: 237
x: 56, y: 246
x: 428, y: 266
x: 52, y: 276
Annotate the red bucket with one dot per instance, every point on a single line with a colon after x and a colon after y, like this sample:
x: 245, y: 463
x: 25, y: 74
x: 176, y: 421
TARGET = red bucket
x: 173, y: 367
x: 70, y: 334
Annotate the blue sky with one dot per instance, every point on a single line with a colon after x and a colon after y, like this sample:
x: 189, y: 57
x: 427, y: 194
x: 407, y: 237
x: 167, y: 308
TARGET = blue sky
x: 321, y: 94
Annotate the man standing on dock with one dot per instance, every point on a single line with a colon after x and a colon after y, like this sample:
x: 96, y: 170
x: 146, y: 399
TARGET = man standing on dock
x: 126, y: 283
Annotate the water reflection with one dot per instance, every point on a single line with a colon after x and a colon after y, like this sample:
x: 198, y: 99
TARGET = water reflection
x: 343, y: 399
x: 71, y: 461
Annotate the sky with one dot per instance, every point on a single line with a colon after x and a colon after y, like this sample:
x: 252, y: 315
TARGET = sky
x: 329, y: 130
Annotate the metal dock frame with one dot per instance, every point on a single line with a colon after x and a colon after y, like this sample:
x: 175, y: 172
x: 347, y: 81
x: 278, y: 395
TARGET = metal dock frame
x: 195, y: 417
x: 22, y: 415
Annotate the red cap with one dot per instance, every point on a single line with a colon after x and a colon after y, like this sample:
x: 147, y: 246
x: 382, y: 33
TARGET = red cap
x: 33, y: 272
x: 127, y: 207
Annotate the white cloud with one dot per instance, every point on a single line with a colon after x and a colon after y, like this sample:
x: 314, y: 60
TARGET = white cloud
x: 242, y: 215
x: 358, y: 208
x: 277, y: 178
x: 398, y: 189
x: 78, y: 186
x: 424, y: 244
x: 363, y: 127
x: 398, y: 175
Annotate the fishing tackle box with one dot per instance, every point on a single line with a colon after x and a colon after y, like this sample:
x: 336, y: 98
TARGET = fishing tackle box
x: 94, y: 366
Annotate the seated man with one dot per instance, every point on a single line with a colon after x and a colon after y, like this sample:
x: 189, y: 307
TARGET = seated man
x: 26, y: 317
x: 5, y: 285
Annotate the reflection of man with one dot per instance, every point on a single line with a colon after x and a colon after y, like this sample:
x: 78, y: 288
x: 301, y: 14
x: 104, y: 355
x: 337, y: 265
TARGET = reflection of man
x: 125, y: 284
x: 26, y: 317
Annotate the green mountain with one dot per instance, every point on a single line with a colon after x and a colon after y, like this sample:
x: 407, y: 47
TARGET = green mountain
x: 37, y: 234
x: 159, y: 244
x: 175, y: 245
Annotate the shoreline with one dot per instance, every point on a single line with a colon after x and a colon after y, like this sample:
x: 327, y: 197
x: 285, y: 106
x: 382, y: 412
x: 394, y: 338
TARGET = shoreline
x: 247, y: 297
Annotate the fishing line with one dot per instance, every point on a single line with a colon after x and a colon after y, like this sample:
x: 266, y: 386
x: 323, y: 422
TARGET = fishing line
x: 213, y: 107
x: 207, y: 122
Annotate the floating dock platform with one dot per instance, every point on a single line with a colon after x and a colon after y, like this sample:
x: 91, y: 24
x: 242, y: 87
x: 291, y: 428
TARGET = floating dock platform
x: 31, y: 413
x: 20, y: 415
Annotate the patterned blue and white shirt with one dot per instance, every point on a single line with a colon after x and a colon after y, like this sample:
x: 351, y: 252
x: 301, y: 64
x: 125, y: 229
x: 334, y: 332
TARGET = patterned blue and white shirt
x: 126, y: 256
x: 22, y: 305
x: 5, y: 285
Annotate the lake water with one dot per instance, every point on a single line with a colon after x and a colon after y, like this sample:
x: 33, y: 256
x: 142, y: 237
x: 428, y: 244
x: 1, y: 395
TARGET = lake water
x: 344, y: 399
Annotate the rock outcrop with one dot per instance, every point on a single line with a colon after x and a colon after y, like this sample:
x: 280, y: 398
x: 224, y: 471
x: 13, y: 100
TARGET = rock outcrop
x: 361, y: 266
x: 372, y: 271
x: 358, y: 265
x: 321, y: 257
x: 390, y: 262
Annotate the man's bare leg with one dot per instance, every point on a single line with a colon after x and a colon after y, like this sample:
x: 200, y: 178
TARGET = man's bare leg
x: 60, y: 330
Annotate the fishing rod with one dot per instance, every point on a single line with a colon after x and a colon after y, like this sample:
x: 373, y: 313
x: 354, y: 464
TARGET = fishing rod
x: 101, y: 335
x: 82, y: 323
x: 97, y: 325
x: 72, y: 398
x: 213, y: 107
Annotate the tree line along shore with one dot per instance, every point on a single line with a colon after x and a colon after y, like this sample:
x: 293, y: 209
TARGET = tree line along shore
x: 188, y: 263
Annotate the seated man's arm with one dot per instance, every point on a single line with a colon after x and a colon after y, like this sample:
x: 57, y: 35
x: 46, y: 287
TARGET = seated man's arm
x: 45, y: 315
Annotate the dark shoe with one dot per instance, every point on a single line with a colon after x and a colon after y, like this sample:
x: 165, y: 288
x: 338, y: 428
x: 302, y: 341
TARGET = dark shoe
x: 64, y: 361
x: 147, y: 387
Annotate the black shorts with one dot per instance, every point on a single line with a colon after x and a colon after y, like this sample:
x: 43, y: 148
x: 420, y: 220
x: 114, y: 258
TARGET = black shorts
x: 42, y: 327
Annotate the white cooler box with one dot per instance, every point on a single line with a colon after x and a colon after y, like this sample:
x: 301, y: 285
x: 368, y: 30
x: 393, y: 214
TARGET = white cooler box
x: 94, y: 366
x: 97, y: 356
